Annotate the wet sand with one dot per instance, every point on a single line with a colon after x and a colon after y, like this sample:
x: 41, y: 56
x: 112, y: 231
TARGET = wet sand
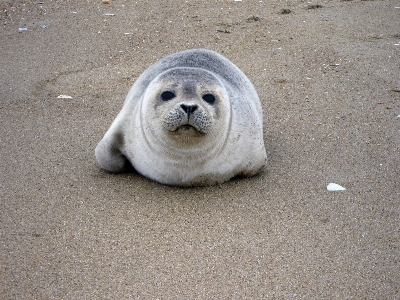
x: 327, y: 74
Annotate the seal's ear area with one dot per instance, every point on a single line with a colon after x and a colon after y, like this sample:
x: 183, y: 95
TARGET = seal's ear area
x: 108, y: 152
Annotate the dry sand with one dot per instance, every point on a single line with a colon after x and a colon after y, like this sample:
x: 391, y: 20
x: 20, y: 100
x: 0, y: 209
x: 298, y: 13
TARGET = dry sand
x: 329, y: 80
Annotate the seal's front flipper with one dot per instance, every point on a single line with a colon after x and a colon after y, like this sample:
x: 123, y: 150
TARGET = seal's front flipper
x: 109, y: 152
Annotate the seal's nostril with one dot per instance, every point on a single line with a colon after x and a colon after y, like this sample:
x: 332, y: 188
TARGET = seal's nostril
x: 189, y: 108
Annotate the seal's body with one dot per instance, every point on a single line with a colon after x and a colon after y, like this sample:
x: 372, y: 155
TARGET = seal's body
x: 192, y: 118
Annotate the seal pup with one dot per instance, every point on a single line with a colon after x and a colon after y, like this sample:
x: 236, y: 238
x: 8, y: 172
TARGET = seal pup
x: 192, y: 118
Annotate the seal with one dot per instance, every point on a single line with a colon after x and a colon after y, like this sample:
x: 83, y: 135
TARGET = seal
x: 193, y: 118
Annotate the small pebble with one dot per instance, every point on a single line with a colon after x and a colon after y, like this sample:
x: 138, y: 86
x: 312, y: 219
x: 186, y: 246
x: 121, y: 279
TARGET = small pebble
x: 106, y: 1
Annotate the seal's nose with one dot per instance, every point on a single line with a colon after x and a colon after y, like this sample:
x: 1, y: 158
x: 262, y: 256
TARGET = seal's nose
x: 189, y: 108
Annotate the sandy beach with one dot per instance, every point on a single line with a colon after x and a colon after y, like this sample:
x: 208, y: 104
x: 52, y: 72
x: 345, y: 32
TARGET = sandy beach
x: 328, y: 77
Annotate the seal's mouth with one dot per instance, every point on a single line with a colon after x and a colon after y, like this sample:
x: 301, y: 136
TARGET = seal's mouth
x: 187, y: 127
x: 187, y: 130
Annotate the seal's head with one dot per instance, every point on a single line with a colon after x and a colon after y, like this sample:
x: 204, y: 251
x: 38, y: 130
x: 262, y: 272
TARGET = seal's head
x: 186, y: 106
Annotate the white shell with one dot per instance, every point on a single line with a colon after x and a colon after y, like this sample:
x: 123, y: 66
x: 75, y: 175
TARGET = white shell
x: 64, y: 97
x: 332, y: 187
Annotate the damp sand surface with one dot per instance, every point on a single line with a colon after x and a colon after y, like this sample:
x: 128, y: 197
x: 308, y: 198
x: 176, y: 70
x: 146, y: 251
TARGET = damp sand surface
x: 327, y: 74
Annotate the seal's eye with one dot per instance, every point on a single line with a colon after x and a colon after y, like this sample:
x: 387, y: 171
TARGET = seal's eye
x: 165, y: 96
x: 210, y: 99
